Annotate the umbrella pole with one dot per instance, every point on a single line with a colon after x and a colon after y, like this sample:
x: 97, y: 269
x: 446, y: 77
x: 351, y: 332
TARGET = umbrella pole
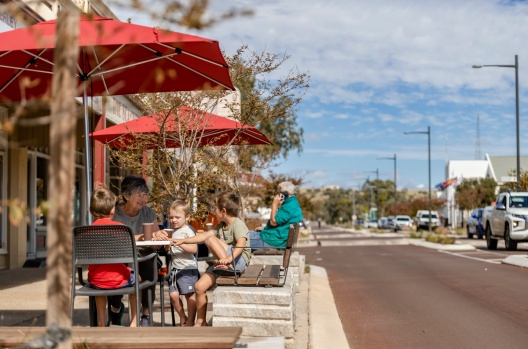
x: 87, y: 156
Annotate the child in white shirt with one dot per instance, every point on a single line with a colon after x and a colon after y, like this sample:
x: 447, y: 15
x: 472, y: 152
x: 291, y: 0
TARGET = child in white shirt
x: 184, y: 268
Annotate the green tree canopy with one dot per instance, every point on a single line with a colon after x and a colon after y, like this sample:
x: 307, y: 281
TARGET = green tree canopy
x: 472, y: 193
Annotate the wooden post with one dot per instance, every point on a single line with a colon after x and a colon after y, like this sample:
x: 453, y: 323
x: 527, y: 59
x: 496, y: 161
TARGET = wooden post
x: 62, y: 173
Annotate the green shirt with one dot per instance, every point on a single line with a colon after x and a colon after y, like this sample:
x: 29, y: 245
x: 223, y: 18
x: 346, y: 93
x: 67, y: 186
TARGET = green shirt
x: 231, y: 234
x: 290, y: 212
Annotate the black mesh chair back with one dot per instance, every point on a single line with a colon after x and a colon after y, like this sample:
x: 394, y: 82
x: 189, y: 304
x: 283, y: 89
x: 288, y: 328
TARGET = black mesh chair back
x: 107, y: 244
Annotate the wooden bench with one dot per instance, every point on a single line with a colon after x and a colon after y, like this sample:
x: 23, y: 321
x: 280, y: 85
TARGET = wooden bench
x: 131, y: 338
x: 277, y: 251
x: 265, y: 275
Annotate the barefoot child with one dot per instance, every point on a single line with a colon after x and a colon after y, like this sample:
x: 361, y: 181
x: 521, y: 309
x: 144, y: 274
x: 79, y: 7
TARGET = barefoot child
x: 228, y: 242
x: 184, y: 268
x: 109, y: 276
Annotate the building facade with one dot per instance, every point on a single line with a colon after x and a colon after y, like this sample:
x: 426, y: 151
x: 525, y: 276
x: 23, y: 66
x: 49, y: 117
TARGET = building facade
x: 24, y: 151
x: 497, y: 167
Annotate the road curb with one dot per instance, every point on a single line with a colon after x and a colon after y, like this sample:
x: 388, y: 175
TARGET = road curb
x: 326, y: 330
x: 517, y: 259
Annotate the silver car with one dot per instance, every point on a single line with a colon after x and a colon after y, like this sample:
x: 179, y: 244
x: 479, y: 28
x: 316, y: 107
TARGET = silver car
x: 402, y: 221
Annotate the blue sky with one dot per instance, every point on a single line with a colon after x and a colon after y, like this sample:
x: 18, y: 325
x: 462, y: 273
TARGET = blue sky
x: 382, y: 67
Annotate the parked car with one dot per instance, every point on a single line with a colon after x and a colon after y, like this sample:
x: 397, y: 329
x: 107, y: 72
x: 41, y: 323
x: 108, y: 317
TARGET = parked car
x: 402, y: 221
x: 372, y: 223
x: 507, y: 220
x: 382, y: 222
x: 390, y: 223
x: 474, y: 224
x: 422, y: 219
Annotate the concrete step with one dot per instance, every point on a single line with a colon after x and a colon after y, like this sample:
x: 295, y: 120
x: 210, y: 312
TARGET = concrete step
x: 259, y: 328
x: 262, y: 311
x: 253, y: 295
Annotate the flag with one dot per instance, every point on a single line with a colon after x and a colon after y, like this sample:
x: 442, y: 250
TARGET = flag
x: 443, y: 185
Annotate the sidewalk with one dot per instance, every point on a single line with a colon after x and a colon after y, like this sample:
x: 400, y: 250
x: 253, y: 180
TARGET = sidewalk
x: 23, y: 303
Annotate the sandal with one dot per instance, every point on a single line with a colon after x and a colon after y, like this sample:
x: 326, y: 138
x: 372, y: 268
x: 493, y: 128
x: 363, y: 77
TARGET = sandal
x: 225, y: 270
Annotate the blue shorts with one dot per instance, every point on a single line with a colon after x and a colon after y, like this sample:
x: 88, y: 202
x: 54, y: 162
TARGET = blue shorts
x: 182, y: 280
x: 240, y: 263
x: 257, y: 243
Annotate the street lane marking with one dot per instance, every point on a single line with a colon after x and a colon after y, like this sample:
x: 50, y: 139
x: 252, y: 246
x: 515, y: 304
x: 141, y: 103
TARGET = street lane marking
x: 364, y: 242
x: 467, y: 255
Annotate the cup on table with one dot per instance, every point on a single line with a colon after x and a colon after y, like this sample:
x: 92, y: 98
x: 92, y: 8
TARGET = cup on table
x: 147, y: 231
x: 209, y: 226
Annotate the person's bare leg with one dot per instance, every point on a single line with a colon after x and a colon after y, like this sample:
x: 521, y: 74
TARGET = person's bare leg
x: 178, y: 306
x: 191, y: 308
x: 217, y: 247
x: 100, y: 305
x: 202, y: 285
x: 133, y: 313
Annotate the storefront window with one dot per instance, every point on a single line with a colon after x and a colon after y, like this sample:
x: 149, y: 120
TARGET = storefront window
x: 38, y: 184
x: 3, y: 202
x: 42, y: 183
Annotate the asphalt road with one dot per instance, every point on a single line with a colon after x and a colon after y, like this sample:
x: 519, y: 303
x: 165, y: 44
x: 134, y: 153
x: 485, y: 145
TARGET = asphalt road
x: 400, y: 296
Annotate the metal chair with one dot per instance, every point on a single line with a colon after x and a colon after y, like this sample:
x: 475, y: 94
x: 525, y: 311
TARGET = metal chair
x: 108, y: 244
x: 163, y: 275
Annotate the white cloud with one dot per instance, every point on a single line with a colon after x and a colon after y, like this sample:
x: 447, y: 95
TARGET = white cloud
x: 382, y: 67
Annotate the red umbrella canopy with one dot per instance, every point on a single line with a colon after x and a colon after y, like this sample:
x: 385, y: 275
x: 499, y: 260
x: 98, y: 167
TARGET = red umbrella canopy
x: 189, y: 125
x: 116, y: 58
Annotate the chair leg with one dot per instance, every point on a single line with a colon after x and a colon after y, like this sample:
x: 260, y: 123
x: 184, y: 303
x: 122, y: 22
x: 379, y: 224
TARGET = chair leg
x: 71, y: 308
x: 172, y: 310
x: 138, y: 313
x: 151, y: 317
x: 162, y: 301
x: 92, y: 310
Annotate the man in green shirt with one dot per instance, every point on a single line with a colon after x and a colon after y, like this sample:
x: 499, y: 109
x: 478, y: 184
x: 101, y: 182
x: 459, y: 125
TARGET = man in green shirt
x: 285, y: 210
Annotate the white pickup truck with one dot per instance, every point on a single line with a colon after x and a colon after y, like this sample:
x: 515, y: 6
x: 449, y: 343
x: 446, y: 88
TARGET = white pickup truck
x: 508, y: 220
x: 422, y: 219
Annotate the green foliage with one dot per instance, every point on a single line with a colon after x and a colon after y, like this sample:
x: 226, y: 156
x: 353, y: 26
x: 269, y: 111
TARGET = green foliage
x: 513, y: 186
x: 196, y: 171
x: 472, y: 193
x: 270, y: 105
x: 415, y: 234
x: 410, y: 208
x: 440, y: 239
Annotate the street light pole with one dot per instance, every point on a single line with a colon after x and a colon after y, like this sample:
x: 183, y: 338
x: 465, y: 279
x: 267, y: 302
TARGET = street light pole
x: 393, y: 158
x: 377, y: 190
x: 428, y: 132
x: 516, y: 66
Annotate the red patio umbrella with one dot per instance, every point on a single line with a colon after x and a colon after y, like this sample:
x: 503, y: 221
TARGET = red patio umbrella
x: 210, y: 129
x: 116, y: 58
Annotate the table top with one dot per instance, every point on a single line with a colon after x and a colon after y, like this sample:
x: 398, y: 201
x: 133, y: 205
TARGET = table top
x: 129, y: 338
x: 153, y: 243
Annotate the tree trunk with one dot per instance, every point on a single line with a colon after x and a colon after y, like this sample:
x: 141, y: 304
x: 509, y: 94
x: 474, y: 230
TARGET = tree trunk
x: 62, y: 173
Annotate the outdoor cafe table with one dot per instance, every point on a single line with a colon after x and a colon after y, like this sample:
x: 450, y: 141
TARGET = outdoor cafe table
x: 153, y: 243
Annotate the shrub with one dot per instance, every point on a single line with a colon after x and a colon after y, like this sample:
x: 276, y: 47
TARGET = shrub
x: 415, y: 235
x: 440, y: 239
x: 442, y: 230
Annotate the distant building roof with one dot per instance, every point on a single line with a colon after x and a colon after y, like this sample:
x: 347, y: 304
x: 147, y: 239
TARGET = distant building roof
x: 468, y: 169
